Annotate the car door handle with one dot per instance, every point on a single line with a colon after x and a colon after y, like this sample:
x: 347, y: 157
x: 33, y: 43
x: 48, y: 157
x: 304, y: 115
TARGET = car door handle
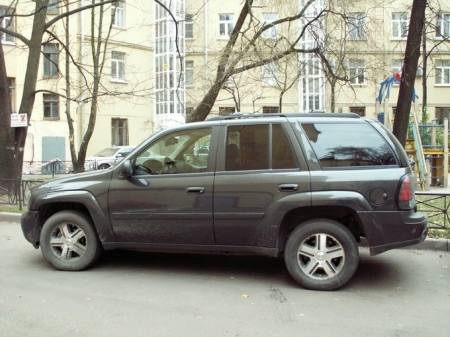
x: 195, y: 190
x: 288, y: 187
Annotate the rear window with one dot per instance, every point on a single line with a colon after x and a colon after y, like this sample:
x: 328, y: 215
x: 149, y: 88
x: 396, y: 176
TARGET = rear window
x: 348, y: 145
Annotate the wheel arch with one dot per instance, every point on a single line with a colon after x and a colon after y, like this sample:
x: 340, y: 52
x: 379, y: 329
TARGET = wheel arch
x: 295, y: 217
x: 82, y: 201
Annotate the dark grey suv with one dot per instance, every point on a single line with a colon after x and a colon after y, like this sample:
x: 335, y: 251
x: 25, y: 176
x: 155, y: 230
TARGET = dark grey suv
x: 304, y: 186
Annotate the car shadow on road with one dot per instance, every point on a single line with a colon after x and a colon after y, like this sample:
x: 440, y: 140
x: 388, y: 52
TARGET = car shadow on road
x: 372, y: 273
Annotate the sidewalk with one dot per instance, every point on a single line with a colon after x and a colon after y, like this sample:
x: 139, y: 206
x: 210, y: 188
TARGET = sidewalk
x: 442, y: 245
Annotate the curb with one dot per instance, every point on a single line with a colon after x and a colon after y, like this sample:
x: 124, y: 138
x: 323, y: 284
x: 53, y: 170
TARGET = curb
x: 442, y: 245
x: 10, y: 217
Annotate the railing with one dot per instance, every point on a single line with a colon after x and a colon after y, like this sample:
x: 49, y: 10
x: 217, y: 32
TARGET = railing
x: 436, y: 207
x: 9, y: 191
x: 52, y: 167
x: 15, y: 191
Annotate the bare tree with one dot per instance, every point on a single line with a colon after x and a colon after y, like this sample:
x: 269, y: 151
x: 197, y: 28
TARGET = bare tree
x: 40, y: 27
x: 245, y: 40
x: 411, y: 60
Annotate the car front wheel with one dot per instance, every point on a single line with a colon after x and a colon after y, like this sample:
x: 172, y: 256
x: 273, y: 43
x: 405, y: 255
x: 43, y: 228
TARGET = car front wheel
x: 321, y: 254
x: 69, y: 242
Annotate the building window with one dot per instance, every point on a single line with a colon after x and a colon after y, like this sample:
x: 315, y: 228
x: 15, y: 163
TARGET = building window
x: 226, y: 110
x: 356, y: 26
x: 358, y: 110
x: 270, y: 33
x: 270, y: 109
x: 270, y: 74
x: 397, y: 66
x: 51, y: 106
x: 226, y: 24
x: 441, y: 114
x: 190, y: 73
x: 118, y: 65
x: 119, y: 131
x: 399, y: 25
x: 6, y: 23
x: 356, y: 70
x: 442, y: 72
x: 118, y: 13
x: 53, y: 7
x: 51, y: 59
x: 189, y: 26
x: 443, y: 26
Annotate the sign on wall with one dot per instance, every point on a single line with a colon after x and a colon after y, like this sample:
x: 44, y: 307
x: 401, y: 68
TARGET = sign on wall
x: 19, y: 120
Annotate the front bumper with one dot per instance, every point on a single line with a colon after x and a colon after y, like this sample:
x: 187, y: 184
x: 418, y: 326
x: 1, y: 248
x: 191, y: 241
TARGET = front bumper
x: 30, y: 227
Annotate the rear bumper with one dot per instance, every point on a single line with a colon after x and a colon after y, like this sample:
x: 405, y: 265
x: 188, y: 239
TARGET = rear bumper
x: 389, y: 230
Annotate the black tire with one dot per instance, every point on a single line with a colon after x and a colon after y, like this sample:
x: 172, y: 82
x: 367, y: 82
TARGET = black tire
x: 321, y: 254
x: 69, y: 241
x: 103, y: 167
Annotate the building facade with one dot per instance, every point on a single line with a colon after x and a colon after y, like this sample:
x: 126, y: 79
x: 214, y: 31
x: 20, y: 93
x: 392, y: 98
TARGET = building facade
x: 160, y: 61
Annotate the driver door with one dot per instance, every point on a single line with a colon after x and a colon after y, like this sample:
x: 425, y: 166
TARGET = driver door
x: 168, y: 199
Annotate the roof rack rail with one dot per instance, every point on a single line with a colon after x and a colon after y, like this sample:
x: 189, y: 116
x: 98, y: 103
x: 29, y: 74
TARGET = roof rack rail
x: 294, y: 114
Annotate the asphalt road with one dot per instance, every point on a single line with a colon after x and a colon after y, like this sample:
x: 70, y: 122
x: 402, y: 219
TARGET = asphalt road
x: 398, y: 293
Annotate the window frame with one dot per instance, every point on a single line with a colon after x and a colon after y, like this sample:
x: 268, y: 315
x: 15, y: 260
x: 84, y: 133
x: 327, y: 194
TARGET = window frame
x: 272, y: 32
x: 226, y: 20
x: 442, y: 66
x: 118, y: 66
x: 119, y: 138
x: 51, y: 60
x: 259, y: 146
x: 443, y: 26
x: 359, y: 110
x: 189, y: 73
x: 356, y: 26
x: 7, y: 23
x: 270, y: 74
x: 53, y: 7
x: 399, y: 25
x: 355, y: 71
x: 188, y: 26
x: 118, y: 10
x: 51, y: 105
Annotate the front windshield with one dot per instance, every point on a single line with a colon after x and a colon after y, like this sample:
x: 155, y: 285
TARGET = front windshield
x: 108, y: 152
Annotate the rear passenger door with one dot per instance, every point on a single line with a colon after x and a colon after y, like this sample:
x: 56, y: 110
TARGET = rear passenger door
x: 255, y: 179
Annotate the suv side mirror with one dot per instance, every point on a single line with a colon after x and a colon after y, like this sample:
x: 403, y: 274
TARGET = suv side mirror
x: 127, y: 169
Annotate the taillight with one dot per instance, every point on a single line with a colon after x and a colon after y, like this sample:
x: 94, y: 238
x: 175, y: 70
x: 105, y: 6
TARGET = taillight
x: 406, y: 193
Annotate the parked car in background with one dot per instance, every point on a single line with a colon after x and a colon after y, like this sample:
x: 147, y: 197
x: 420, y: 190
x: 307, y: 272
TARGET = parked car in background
x: 107, y: 157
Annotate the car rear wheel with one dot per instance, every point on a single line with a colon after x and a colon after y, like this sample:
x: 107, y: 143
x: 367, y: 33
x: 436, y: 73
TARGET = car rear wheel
x: 321, y: 254
x: 103, y: 166
x: 69, y: 242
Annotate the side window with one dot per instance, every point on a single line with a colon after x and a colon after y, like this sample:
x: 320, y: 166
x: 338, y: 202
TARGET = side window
x: 258, y: 147
x: 185, y: 151
x: 282, y: 155
x: 335, y: 145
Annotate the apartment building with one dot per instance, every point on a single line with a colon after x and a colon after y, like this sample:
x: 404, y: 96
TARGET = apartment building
x: 160, y: 64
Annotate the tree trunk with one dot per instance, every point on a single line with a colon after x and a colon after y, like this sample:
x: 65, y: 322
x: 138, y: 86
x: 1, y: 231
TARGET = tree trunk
x: 6, y: 133
x: 204, y: 108
x: 412, y: 53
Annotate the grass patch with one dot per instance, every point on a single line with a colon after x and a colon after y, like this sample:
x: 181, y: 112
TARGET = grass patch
x: 12, y: 209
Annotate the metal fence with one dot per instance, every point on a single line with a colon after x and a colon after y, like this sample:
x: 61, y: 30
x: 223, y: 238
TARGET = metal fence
x: 52, y: 167
x: 14, y: 191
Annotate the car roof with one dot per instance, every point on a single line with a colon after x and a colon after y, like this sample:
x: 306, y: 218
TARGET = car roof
x: 286, y: 115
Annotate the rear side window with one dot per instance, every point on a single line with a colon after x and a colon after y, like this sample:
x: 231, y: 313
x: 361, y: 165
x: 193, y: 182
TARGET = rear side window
x: 347, y: 145
x: 258, y: 147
